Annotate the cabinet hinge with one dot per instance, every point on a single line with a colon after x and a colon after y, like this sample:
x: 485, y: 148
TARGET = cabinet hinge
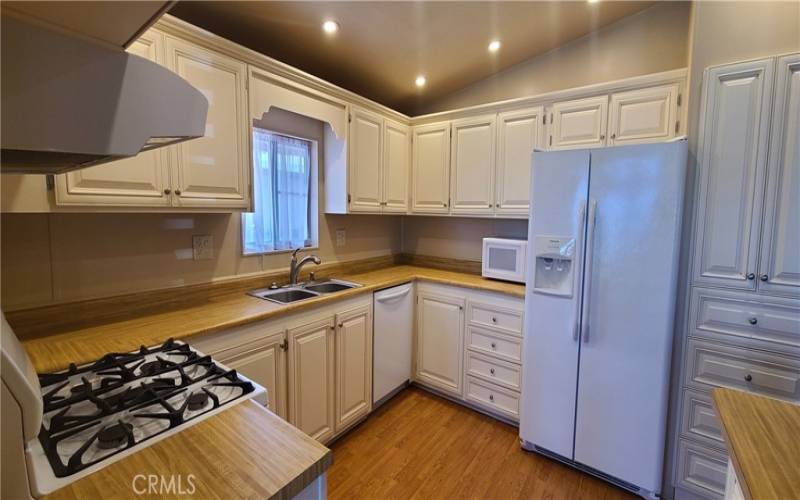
x: 677, y: 126
x: 451, y: 133
x: 680, y: 97
x: 544, y: 119
x: 349, y: 117
x: 551, y: 141
x: 348, y: 197
x: 50, y: 182
x: 551, y: 118
x: 284, y: 345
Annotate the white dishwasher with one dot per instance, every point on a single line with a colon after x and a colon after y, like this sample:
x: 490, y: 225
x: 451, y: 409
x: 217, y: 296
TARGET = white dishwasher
x: 394, y: 324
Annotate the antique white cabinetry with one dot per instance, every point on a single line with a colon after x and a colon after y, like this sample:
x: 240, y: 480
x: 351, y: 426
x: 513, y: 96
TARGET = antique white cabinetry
x: 643, y: 115
x: 743, y: 315
x: 396, y: 167
x: 518, y: 134
x: 430, y: 185
x: 472, y: 157
x: 580, y: 123
x: 440, y: 340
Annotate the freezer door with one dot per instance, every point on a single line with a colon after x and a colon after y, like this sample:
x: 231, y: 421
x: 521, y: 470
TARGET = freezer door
x: 560, y: 183
x: 629, y: 301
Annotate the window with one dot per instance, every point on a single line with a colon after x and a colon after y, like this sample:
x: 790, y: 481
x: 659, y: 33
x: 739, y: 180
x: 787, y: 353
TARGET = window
x: 284, y: 191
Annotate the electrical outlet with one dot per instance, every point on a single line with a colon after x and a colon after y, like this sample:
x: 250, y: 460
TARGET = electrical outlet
x: 341, y: 237
x: 203, y: 247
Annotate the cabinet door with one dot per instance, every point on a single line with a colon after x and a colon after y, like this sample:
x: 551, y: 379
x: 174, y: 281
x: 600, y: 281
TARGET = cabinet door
x: 139, y: 181
x: 311, y: 378
x: 366, y: 161
x: 396, y: 165
x: 265, y: 364
x: 440, y: 341
x: 353, y: 365
x: 779, y: 268
x: 213, y: 171
x: 643, y: 115
x: 731, y: 158
x: 472, y: 158
x: 579, y: 124
x: 518, y: 134
x: 431, y: 168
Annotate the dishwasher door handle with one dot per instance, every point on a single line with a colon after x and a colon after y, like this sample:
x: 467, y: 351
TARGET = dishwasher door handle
x: 387, y: 298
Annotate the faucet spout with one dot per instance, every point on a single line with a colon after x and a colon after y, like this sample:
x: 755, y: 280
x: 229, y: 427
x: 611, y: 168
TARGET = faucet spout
x: 295, y: 266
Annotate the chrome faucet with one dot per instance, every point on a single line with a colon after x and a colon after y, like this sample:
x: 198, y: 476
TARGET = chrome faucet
x: 295, y: 266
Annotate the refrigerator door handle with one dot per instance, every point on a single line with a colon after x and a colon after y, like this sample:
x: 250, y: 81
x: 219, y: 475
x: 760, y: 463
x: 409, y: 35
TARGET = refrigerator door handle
x: 577, y: 278
x: 587, y: 283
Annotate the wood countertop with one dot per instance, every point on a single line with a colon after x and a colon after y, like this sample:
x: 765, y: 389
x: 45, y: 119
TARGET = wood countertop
x: 763, y: 438
x: 245, y: 451
x: 59, y: 335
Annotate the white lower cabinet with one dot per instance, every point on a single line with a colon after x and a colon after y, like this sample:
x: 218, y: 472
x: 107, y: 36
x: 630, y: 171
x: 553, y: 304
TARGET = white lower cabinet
x: 440, y: 340
x: 353, y: 365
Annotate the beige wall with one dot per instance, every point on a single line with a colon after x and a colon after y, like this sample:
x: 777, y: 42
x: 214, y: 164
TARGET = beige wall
x: 62, y: 257
x: 456, y: 238
x: 651, y: 41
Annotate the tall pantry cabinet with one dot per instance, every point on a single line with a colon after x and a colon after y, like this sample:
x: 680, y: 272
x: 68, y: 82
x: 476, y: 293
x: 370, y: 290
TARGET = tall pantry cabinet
x: 743, y: 323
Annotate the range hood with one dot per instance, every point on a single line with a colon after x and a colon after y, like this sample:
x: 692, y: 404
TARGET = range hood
x: 69, y: 103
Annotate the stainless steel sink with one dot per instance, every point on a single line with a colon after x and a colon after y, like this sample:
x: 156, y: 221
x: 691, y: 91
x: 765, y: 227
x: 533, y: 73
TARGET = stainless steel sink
x: 330, y: 286
x: 284, y: 295
x: 295, y: 293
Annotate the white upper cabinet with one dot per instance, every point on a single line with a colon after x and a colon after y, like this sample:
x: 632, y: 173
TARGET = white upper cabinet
x: 430, y: 185
x: 366, y: 161
x: 518, y: 134
x: 732, y: 158
x: 213, y: 171
x: 440, y: 341
x: 140, y: 181
x: 580, y: 123
x: 643, y: 115
x: 779, y: 269
x: 396, y: 165
x: 353, y: 365
x: 472, y: 150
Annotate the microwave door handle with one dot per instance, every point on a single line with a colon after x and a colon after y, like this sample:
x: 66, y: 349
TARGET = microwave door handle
x: 587, y: 284
x: 577, y: 279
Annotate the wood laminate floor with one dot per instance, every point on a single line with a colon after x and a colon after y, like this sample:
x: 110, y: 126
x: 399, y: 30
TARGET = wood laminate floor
x: 421, y: 446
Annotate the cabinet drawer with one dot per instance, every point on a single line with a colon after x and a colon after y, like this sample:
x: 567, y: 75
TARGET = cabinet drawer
x: 507, y: 320
x: 490, y: 369
x: 700, y: 420
x: 496, y: 344
x: 731, y: 316
x: 701, y: 469
x: 493, y: 396
x: 747, y: 369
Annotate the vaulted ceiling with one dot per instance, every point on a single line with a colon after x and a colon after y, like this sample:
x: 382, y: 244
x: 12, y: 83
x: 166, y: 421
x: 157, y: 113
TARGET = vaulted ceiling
x: 381, y: 47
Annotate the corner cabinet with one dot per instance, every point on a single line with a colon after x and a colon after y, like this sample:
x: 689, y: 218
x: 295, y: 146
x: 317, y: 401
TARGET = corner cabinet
x: 430, y: 185
x: 472, y: 165
x: 440, y: 341
x: 396, y: 167
x: 212, y: 172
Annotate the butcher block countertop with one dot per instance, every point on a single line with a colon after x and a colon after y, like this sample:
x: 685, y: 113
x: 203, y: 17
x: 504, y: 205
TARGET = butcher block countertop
x: 76, y: 333
x: 763, y: 438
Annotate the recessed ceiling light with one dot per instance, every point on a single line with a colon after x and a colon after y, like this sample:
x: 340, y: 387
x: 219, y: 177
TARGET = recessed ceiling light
x: 330, y: 27
x: 420, y: 81
x: 592, y: 1
x: 494, y: 46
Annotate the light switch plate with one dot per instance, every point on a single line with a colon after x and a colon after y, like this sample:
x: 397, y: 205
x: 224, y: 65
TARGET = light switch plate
x: 203, y: 247
x: 341, y: 237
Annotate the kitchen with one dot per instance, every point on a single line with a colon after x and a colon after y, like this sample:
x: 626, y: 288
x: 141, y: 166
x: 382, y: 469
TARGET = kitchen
x: 437, y: 335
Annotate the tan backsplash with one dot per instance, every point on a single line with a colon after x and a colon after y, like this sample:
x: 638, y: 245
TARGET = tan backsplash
x: 456, y: 238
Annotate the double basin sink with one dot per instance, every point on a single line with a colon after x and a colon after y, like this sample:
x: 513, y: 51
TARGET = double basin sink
x: 296, y: 293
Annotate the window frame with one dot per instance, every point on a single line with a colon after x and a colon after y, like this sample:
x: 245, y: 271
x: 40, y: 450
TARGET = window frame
x: 313, y: 195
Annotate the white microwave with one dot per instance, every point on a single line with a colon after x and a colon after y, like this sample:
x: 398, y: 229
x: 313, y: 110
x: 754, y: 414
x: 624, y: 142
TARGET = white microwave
x: 504, y: 259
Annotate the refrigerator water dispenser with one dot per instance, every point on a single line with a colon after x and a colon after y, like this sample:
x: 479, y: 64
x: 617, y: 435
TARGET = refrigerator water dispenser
x: 554, y: 265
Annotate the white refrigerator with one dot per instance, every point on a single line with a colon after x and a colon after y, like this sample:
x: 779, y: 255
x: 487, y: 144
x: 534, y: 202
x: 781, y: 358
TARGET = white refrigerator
x: 603, y: 240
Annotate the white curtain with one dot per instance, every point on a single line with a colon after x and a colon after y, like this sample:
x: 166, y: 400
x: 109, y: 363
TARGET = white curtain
x: 282, y: 187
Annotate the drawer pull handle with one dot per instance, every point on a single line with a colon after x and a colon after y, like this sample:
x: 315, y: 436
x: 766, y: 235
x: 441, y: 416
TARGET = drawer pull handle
x: 764, y: 277
x: 751, y: 276
x: 491, y: 397
x: 494, y: 320
x: 491, y: 370
x: 753, y: 321
x: 748, y: 377
x: 494, y: 346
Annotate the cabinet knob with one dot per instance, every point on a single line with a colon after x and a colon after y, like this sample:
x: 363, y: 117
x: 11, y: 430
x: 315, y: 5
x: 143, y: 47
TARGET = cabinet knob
x: 491, y: 370
x: 491, y: 397
x: 748, y: 377
x: 494, y: 346
x: 764, y: 277
x: 613, y: 136
x: 602, y: 136
x: 167, y: 191
x: 751, y: 276
x: 341, y: 325
x: 753, y: 321
x: 178, y: 192
x: 494, y: 320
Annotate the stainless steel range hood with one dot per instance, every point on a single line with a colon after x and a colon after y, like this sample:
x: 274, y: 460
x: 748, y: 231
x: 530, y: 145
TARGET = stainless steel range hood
x: 68, y: 103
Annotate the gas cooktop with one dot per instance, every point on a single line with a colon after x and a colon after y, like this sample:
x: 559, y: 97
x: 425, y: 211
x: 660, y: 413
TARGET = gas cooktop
x: 99, y: 412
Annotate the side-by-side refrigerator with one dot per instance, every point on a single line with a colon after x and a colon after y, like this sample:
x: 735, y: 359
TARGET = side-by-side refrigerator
x: 603, y: 240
